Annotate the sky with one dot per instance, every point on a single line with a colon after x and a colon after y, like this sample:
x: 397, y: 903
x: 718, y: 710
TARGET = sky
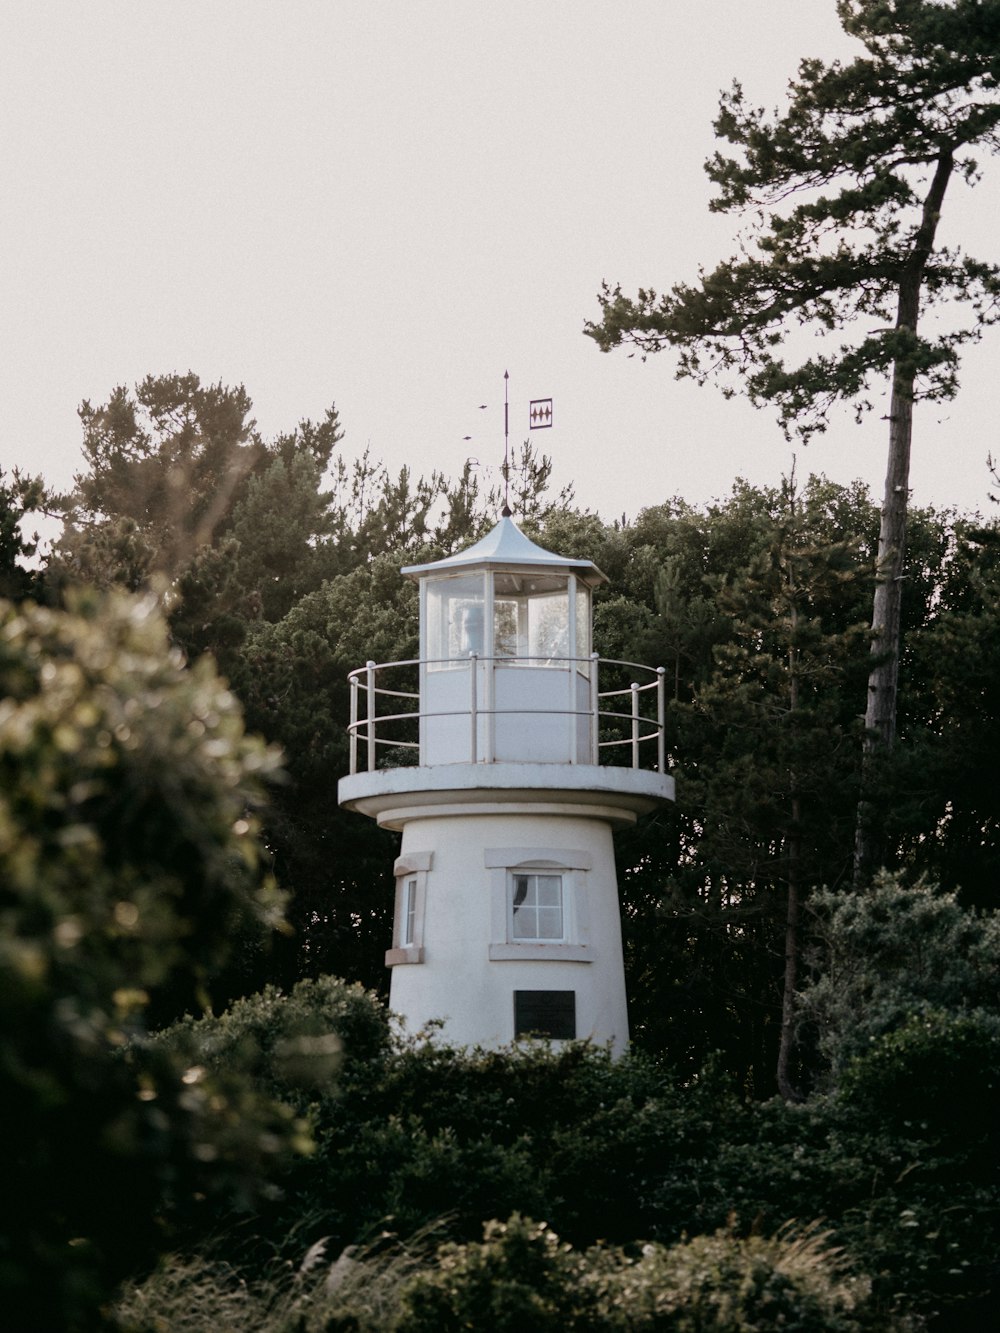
x: 386, y: 204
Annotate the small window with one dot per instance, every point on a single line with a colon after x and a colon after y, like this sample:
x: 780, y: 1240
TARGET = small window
x: 536, y: 906
x: 409, y: 913
x: 411, y: 905
x: 545, y: 1013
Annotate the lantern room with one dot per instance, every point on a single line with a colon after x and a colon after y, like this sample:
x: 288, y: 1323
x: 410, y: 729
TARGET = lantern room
x: 505, y: 649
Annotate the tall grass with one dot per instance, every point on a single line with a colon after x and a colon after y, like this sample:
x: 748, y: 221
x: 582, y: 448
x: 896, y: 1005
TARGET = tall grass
x: 357, y: 1289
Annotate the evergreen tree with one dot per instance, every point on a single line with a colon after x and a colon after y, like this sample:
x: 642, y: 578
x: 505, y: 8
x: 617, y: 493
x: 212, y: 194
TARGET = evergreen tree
x: 761, y: 602
x: 19, y: 497
x: 847, y: 187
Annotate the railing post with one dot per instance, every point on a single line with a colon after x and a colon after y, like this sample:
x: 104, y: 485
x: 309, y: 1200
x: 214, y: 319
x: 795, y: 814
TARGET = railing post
x: 635, y: 723
x: 354, y: 724
x: 595, y: 704
x: 370, y: 729
x: 474, y: 706
x: 574, y: 733
x: 661, y: 751
x: 491, y: 710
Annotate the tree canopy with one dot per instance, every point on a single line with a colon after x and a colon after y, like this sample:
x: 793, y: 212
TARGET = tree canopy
x: 845, y: 190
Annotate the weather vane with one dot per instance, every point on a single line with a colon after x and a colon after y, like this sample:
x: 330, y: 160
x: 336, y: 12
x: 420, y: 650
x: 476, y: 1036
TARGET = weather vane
x: 539, y: 418
x: 506, y: 449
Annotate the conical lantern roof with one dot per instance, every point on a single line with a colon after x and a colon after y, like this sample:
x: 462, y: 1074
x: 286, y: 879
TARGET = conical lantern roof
x: 506, y: 546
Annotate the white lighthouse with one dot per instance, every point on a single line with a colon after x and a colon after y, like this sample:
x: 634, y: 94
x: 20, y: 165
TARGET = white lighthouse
x: 507, y: 922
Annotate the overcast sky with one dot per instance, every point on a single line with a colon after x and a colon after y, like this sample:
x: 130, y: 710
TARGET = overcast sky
x: 386, y: 204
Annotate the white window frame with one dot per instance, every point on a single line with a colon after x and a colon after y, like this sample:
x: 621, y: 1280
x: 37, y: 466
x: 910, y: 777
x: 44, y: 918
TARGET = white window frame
x: 572, y: 865
x: 411, y: 873
x: 407, y: 918
x: 523, y: 872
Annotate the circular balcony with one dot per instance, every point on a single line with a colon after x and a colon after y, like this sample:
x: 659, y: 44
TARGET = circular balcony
x: 507, y: 710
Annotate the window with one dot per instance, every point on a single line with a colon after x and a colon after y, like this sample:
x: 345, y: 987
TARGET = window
x: 536, y: 907
x: 545, y: 1013
x: 538, y: 904
x: 411, y: 904
x: 409, y: 913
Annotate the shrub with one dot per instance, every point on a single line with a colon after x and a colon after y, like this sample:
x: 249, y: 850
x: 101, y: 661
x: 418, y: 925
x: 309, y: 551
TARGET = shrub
x: 522, y: 1279
x: 130, y: 872
x: 293, y: 1045
x: 891, y: 952
x: 722, y: 1283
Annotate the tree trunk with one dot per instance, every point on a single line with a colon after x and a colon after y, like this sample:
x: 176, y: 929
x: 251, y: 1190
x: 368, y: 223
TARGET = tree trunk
x: 786, y: 1086
x: 786, y: 1047
x: 880, y: 714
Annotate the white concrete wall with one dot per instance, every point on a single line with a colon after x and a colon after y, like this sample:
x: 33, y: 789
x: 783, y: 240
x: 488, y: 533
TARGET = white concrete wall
x: 458, y: 981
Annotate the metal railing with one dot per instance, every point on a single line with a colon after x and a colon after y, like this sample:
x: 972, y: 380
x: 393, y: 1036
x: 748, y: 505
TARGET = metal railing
x: 638, y: 729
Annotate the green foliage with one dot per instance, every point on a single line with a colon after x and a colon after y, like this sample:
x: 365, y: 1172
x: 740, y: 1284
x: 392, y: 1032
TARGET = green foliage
x: 130, y: 875
x: 923, y: 1103
x: 170, y: 460
x: 758, y: 604
x: 416, y: 1139
x: 735, y: 1285
x: 842, y: 185
x: 180, y: 489
x: 946, y: 807
x: 523, y: 1278
x: 937, y: 1076
x: 291, y: 1046
x: 520, y: 1278
x: 19, y: 498
x: 893, y: 953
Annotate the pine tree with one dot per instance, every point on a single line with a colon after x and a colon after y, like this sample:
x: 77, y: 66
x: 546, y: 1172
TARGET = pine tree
x: 846, y: 188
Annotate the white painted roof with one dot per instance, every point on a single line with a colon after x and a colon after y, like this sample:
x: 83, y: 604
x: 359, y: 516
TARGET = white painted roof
x: 504, y: 546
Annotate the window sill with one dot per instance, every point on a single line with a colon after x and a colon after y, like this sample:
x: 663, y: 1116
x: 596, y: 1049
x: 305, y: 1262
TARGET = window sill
x: 532, y: 953
x: 411, y: 954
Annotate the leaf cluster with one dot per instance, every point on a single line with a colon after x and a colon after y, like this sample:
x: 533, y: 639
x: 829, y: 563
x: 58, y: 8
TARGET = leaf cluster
x: 130, y: 870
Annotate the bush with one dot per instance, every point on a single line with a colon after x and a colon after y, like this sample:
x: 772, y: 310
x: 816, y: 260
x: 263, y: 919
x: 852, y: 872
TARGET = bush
x: 893, y: 951
x: 923, y: 1105
x: 522, y: 1279
x: 901, y: 1164
x: 291, y: 1045
x: 129, y: 873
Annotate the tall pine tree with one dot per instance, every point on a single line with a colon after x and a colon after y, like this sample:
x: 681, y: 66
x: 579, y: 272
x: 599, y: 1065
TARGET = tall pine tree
x: 846, y: 188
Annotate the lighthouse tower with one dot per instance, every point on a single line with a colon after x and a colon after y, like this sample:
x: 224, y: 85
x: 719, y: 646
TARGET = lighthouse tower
x: 529, y: 752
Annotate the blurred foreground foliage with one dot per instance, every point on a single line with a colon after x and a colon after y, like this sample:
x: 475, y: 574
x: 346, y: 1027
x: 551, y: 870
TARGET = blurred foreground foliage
x: 130, y: 876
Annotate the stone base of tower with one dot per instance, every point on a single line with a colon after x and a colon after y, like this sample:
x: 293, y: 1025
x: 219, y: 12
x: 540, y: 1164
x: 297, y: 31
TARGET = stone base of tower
x: 507, y: 922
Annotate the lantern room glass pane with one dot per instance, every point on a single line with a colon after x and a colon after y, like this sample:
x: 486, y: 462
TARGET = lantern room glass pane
x: 456, y: 607
x: 583, y: 629
x: 531, y: 619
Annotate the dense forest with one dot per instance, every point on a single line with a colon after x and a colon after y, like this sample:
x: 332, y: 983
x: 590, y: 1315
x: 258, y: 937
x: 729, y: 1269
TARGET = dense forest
x: 184, y: 1076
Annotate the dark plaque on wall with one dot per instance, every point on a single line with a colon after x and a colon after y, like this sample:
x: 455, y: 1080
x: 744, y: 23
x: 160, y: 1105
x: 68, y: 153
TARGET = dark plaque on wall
x: 545, y: 1013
